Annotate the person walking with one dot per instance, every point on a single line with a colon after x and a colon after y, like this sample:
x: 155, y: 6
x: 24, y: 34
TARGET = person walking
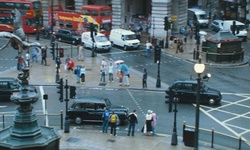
x: 111, y: 72
x: 149, y: 122
x: 58, y: 63
x: 44, y: 55
x: 82, y: 74
x: 103, y: 73
x: 171, y: 41
x: 77, y: 72
x: 132, y: 119
x: 148, y: 48
x: 34, y: 54
x: 126, y: 77
x: 80, y: 56
x: 154, y: 118
x: 70, y: 65
x: 105, y: 123
x: 144, y: 78
x: 113, y: 119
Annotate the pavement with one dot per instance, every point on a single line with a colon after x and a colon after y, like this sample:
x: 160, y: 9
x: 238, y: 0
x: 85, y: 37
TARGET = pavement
x: 87, y: 139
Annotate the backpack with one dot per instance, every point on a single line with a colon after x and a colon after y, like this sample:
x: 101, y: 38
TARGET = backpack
x: 113, y: 118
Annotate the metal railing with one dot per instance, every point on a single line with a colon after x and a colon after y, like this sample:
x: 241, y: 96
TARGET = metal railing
x: 41, y: 119
x: 231, y: 57
x: 216, y: 139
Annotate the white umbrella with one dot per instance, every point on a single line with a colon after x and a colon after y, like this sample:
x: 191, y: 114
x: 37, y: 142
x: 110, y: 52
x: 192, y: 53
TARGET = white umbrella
x: 203, y: 33
x: 119, y: 61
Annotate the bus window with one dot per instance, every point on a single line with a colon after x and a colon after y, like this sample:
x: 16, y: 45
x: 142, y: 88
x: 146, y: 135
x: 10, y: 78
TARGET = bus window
x: 37, y: 5
x: 85, y: 12
x: 94, y: 13
x: 28, y: 22
x: 61, y: 24
x: 105, y: 13
x: 69, y: 25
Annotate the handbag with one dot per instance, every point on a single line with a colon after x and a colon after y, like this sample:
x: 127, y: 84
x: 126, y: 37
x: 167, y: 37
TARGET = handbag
x: 144, y: 129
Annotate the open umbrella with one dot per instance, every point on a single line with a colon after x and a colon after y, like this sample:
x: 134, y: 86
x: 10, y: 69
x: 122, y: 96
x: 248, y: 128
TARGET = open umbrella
x: 119, y: 61
x: 203, y: 33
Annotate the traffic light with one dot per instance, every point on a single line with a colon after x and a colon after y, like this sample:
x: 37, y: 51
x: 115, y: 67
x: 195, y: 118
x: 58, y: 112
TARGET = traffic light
x: 60, y: 87
x: 166, y: 23
x: 157, y: 54
x: 72, y: 91
x: 61, y: 52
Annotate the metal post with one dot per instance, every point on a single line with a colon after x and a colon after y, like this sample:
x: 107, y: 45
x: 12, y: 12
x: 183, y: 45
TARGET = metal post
x: 166, y: 44
x: 158, y: 81
x: 174, y: 135
x: 66, y: 127
x: 57, y: 66
x: 61, y: 119
x: 197, y: 114
x: 37, y: 28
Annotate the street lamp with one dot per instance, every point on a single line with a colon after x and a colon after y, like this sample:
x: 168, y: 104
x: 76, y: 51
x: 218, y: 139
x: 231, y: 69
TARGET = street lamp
x: 174, y: 135
x: 199, y: 68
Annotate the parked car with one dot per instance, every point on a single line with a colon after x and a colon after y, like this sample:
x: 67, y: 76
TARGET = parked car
x: 9, y: 85
x: 217, y: 25
x: 186, y: 92
x: 90, y: 109
x: 68, y: 36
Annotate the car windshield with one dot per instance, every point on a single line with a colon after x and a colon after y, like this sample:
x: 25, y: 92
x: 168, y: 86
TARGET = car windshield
x: 201, y: 16
x: 101, y: 39
x: 107, y: 102
x: 130, y: 37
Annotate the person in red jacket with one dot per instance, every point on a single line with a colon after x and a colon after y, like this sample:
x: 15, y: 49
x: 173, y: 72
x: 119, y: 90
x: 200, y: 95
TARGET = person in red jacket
x: 70, y: 65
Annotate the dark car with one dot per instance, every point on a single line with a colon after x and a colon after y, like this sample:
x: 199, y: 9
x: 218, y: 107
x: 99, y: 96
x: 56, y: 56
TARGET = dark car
x: 68, y: 36
x: 186, y: 92
x: 91, y: 109
x: 9, y: 85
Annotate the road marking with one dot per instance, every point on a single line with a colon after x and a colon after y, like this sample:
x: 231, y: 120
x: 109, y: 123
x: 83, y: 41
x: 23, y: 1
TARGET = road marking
x: 44, y: 106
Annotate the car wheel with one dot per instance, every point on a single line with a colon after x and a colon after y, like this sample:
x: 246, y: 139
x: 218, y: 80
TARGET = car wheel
x: 78, y: 120
x: 211, y: 101
x: 125, y: 48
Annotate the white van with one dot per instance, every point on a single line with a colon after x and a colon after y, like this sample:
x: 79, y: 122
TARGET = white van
x: 200, y: 15
x: 241, y: 26
x: 124, y: 38
x: 101, y: 41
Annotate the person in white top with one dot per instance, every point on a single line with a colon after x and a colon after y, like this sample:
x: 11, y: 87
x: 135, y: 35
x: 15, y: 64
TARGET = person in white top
x: 80, y: 56
x: 148, y: 48
x: 111, y: 72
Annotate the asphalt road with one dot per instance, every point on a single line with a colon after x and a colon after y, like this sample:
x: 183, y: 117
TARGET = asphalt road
x: 232, y: 117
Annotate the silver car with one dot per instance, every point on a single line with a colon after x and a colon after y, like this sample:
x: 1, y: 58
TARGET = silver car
x: 217, y: 25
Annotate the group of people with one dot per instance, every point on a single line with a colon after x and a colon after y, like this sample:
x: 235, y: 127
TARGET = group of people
x: 38, y: 54
x: 111, y: 119
x: 122, y: 71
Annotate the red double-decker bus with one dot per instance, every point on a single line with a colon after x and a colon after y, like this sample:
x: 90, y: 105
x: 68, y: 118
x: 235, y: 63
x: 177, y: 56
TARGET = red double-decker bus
x: 101, y: 14
x: 31, y: 11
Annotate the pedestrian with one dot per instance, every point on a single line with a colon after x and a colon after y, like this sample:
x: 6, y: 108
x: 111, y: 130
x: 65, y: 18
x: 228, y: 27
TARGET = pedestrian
x: 82, y: 74
x: 20, y: 62
x: 171, y: 41
x: 113, y: 119
x: 58, y: 63
x: 105, y: 122
x: 148, y: 48
x: 104, y: 62
x: 111, y: 72
x: 44, y: 55
x: 102, y: 73
x: 34, y: 54
x: 66, y: 62
x: 144, y: 78
x: 126, y: 77
x: 27, y: 59
x: 39, y: 51
x: 149, y: 122
x: 77, y: 72
x: 132, y: 119
x: 154, y: 118
x: 80, y: 56
x: 179, y: 46
x: 70, y: 65
x: 120, y: 77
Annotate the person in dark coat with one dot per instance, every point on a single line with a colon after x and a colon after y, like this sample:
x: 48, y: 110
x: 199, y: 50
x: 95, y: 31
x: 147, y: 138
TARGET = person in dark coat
x: 132, y: 118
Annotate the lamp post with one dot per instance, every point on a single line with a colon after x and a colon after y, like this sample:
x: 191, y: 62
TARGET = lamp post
x: 199, y: 68
x: 174, y: 135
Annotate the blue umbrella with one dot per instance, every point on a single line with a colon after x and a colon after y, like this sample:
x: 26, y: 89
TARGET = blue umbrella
x: 123, y: 67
